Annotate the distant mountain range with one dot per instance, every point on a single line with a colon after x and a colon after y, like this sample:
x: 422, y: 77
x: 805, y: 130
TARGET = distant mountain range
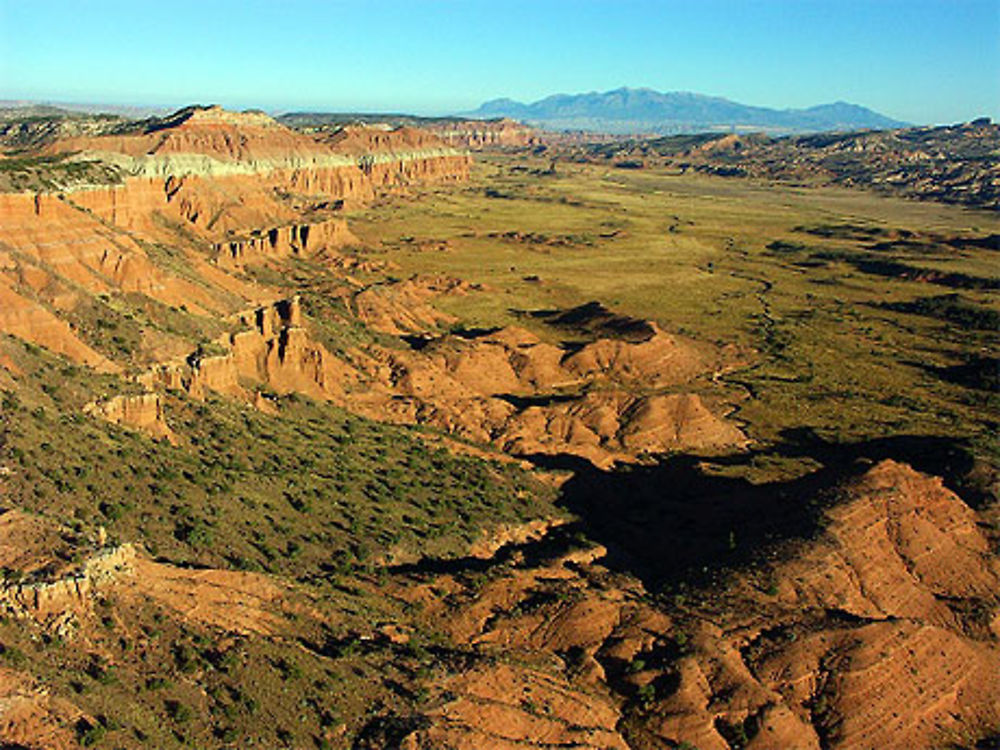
x: 628, y: 110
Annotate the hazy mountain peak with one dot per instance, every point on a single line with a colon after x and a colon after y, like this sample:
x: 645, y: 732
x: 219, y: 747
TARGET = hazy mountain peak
x: 635, y: 110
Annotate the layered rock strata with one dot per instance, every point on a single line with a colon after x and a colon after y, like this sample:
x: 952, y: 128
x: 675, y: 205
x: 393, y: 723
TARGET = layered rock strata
x: 238, y: 187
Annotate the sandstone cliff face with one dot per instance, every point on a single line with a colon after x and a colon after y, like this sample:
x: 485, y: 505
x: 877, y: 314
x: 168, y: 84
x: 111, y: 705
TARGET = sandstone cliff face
x: 52, y: 601
x: 220, y: 173
x: 143, y: 412
x: 274, y: 350
x: 29, y: 321
x: 486, y: 134
x: 281, y: 242
x: 72, y: 245
x: 218, y: 170
x: 277, y: 351
x: 236, y: 184
x: 58, y: 252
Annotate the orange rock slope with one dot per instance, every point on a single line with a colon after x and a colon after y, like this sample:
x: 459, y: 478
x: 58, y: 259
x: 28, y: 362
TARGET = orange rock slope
x: 217, y: 186
x: 493, y: 388
x: 881, y: 633
x: 224, y: 173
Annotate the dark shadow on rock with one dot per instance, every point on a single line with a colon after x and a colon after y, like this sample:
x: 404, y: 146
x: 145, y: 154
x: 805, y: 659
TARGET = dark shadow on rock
x: 549, y: 399
x: 417, y: 342
x: 388, y: 730
x: 596, y: 319
x: 555, y: 542
x: 473, y: 333
x: 675, y: 524
x: 947, y: 457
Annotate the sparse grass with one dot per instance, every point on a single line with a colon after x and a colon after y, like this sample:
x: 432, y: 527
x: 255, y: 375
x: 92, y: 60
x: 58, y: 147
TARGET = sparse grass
x: 720, y: 260
x: 54, y: 172
x: 312, y: 490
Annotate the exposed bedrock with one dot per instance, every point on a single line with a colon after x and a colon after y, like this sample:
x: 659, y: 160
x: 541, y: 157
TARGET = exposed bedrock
x: 877, y: 628
x: 143, y: 412
x: 207, y: 183
x: 280, y: 242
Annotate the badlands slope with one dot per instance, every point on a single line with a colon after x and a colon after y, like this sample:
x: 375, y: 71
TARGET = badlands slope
x: 264, y: 484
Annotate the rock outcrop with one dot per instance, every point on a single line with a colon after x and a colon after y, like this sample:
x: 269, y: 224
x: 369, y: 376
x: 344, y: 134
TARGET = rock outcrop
x: 30, y: 321
x: 479, y: 135
x: 529, y: 397
x: 510, y: 707
x: 404, y: 307
x: 281, y: 242
x: 33, y: 719
x: 246, y: 190
x: 223, y: 172
x: 238, y: 186
x: 273, y: 350
x: 950, y: 164
x: 63, y: 602
x: 881, y: 632
x: 62, y: 241
x: 143, y: 412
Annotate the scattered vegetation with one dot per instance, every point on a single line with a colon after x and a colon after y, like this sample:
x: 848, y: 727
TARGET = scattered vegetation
x: 55, y: 172
x: 314, y: 490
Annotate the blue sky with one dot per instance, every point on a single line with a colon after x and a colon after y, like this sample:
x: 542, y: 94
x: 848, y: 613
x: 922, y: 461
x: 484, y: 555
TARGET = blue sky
x: 925, y: 61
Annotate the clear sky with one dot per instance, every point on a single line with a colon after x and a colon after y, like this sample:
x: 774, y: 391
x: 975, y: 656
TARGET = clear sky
x: 924, y: 61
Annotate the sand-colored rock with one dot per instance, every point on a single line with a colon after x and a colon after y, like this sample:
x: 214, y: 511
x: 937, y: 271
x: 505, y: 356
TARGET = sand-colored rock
x: 74, y: 244
x: 603, y: 425
x: 229, y: 600
x: 900, y: 669
x: 30, y: 321
x: 891, y: 683
x: 273, y: 350
x: 486, y: 134
x: 241, y: 188
x: 143, y: 411
x: 31, y: 718
x: 659, y: 360
x: 403, y: 307
x: 524, y: 395
x: 221, y: 171
x: 27, y: 543
x: 281, y: 242
x: 900, y: 545
x: 507, y: 707
x: 784, y: 672
x: 231, y: 181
